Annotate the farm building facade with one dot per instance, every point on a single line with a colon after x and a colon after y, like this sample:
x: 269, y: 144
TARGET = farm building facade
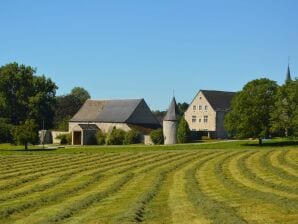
x: 104, y: 115
x: 206, y: 112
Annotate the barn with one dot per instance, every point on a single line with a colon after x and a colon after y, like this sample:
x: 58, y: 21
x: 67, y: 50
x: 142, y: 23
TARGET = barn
x: 104, y: 115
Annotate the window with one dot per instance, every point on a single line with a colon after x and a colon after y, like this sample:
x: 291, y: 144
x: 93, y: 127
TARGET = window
x: 205, y: 119
x: 194, y: 119
x: 200, y: 107
x: 200, y: 120
x: 206, y: 107
x: 194, y: 107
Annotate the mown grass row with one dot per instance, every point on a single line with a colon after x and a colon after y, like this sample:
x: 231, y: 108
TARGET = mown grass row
x: 136, y: 213
x: 63, y: 168
x: 52, y: 198
x: 129, y: 169
x: 222, y: 185
x: 267, y: 164
x: 282, y: 160
x: 225, y: 174
x: 62, y: 178
x: 88, y: 201
x: 138, y: 174
x: 47, y: 166
x: 216, y: 211
x: 246, y: 172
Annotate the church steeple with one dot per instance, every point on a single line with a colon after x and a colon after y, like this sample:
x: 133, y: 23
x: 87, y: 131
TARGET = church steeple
x: 288, y: 75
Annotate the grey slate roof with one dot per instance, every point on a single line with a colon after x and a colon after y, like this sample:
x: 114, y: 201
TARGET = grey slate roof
x: 115, y: 111
x: 172, y: 113
x: 219, y: 100
x: 288, y: 75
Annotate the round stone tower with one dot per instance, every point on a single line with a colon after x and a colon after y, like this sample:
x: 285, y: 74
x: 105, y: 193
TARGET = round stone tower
x: 170, y: 123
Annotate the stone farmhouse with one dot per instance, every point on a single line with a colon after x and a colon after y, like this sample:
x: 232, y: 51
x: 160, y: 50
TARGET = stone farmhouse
x: 206, y: 113
x: 104, y: 115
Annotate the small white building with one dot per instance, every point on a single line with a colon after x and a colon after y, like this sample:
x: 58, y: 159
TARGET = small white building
x: 207, y: 111
x: 104, y: 115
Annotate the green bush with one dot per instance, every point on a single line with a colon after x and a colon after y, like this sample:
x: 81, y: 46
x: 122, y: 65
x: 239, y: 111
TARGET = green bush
x: 116, y: 137
x: 132, y: 137
x: 101, y: 137
x: 183, y: 132
x: 65, y: 139
x: 157, y: 136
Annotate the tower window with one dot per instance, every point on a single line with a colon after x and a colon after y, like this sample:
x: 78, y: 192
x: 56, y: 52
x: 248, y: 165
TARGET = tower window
x: 205, y: 119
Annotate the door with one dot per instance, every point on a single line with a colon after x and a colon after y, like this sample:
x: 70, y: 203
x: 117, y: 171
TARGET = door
x: 77, y: 136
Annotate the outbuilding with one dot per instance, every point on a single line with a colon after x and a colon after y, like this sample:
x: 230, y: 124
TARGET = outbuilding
x: 104, y: 115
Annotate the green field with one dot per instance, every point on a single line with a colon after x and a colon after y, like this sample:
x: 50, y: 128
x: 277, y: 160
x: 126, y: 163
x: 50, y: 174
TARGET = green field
x: 211, y: 183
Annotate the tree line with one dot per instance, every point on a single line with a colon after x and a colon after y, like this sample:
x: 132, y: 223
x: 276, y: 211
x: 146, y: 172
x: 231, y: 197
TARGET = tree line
x: 28, y: 103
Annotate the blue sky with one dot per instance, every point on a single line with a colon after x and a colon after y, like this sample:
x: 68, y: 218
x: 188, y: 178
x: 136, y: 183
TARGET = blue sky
x: 147, y: 49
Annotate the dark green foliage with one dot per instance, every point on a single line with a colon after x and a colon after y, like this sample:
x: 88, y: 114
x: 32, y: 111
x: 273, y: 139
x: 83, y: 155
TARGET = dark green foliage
x: 116, y: 137
x: 159, y: 115
x: 65, y: 139
x: 182, y: 107
x: 132, y: 137
x: 80, y: 94
x: 26, y: 96
x: 251, y: 108
x: 68, y: 105
x: 284, y: 117
x: 157, y: 136
x: 183, y: 132
x: 26, y: 133
x: 6, y: 131
x: 101, y: 137
x: 63, y: 124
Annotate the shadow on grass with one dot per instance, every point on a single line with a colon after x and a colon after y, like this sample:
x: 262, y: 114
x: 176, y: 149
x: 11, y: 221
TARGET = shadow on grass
x: 273, y: 144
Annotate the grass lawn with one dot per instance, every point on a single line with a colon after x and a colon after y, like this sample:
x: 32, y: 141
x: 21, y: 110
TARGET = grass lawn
x: 207, y: 182
x: 207, y: 144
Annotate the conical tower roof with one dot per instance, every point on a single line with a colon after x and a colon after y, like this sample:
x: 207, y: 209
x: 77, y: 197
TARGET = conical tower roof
x: 288, y: 75
x: 172, y: 113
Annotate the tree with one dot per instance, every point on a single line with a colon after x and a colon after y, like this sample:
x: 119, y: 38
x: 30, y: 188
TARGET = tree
x: 80, y: 93
x: 159, y: 115
x: 27, y: 133
x: 25, y: 96
x: 182, y: 107
x: 6, y: 131
x: 67, y: 106
x: 183, y: 132
x: 251, y: 108
x: 285, y: 113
